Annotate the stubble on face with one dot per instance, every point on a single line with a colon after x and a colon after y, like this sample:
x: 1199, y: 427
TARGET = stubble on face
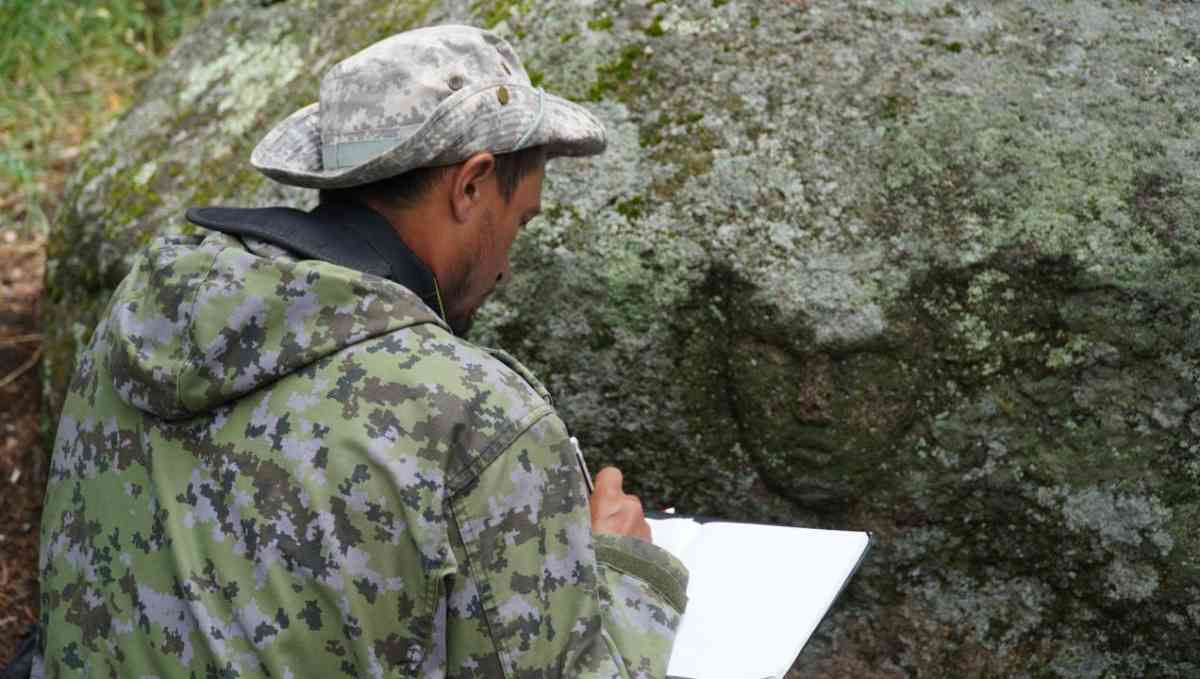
x: 462, y: 291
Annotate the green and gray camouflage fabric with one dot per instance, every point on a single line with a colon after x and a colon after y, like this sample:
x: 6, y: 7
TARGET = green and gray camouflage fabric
x: 279, y: 468
x: 426, y: 97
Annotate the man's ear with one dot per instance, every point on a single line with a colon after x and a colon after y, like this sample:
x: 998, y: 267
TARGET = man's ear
x: 467, y: 184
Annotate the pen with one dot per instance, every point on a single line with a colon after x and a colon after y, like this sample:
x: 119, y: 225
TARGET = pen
x: 587, y: 477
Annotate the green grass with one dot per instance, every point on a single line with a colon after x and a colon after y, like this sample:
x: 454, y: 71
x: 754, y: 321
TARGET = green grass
x: 67, y: 69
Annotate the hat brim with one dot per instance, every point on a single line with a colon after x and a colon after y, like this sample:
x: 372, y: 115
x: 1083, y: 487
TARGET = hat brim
x: 466, y: 123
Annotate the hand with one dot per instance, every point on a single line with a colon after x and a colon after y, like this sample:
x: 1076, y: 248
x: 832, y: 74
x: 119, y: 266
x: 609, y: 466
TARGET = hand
x: 615, y: 512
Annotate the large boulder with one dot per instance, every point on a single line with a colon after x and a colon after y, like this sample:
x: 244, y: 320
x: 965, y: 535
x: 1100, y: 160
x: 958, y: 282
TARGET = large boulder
x: 929, y: 269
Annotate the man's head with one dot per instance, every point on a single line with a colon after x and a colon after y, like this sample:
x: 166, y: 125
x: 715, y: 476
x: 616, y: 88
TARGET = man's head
x: 441, y: 130
x: 461, y: 219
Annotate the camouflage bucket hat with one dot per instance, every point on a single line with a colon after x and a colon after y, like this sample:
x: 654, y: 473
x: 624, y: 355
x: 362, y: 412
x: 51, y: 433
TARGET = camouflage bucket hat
x: 429, y: 97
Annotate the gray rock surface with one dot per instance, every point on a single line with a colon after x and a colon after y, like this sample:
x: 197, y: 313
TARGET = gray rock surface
x: 922, y: 268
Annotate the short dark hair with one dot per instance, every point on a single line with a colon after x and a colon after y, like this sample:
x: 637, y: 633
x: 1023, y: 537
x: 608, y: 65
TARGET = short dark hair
x: 406, y: 190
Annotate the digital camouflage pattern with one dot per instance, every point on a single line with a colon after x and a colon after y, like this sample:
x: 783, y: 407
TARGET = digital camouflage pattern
x: 283, y: 468
x: 426, y: 97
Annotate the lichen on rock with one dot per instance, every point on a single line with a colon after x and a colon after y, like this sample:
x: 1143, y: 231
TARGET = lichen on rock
x: 923, y: 268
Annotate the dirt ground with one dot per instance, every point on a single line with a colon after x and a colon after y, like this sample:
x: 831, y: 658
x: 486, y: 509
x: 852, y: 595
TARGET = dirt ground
x: 22, y: 460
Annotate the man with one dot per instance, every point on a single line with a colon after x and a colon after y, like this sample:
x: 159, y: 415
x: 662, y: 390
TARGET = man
x: 280, y: 458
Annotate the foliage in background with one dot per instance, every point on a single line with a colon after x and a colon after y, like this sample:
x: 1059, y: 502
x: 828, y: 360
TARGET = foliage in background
x: 68, y: 68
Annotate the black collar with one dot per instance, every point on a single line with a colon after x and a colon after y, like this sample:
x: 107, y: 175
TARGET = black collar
x: 346, y: 234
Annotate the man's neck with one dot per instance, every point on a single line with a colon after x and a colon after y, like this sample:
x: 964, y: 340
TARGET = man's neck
x: 420, y: 227
x: 407, y: 266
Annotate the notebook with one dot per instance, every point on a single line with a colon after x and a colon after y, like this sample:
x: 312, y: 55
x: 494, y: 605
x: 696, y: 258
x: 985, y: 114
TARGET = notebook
x: 755, y: 592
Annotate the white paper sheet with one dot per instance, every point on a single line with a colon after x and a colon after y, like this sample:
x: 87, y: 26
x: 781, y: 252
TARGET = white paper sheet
x: 674, y: 535
x: 755, y: 593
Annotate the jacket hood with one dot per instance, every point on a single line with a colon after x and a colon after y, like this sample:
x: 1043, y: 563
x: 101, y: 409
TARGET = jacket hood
x: 202, y: 320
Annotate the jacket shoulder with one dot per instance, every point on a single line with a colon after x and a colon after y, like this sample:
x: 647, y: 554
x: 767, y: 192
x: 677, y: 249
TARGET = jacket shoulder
x: 423, y: 390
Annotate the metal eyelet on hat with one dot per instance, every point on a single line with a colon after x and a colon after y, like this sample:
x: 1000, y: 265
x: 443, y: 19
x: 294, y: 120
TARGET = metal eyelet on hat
x: 502, y: 95
x: 455, y: 83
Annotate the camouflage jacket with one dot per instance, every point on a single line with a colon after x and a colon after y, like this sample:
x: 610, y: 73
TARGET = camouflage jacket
x: 272, y: 467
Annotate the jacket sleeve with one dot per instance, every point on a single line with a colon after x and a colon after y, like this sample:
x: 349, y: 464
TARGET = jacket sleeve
x: 558, y: 601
